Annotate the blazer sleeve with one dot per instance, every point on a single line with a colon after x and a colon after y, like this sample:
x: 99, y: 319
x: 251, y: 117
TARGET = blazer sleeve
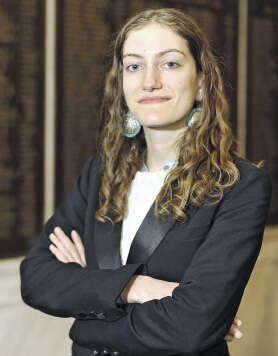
x: 67, y: 289
x: 204, y: 304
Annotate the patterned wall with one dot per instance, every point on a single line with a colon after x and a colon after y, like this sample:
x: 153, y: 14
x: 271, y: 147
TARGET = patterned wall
x: 262, y: 127
x: 85, y: 31
x: 21, y: 123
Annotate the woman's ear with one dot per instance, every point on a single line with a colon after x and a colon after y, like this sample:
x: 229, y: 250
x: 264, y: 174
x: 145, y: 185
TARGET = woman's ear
x: 200, y: 87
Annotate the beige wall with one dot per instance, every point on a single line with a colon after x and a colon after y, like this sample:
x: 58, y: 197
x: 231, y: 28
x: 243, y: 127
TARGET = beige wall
x: 259, y: 306
x: 25, y: 331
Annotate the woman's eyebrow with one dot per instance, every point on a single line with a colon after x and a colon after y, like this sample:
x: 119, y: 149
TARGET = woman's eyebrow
x: 159, y: 54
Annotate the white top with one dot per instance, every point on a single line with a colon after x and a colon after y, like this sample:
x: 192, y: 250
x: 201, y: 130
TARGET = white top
x: 143, y: 190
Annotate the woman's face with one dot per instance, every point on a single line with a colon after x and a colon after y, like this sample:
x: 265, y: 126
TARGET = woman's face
x: 160, y: 80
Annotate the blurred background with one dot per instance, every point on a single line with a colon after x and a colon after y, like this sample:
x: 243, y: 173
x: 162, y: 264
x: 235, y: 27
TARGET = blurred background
x: 53, y: 57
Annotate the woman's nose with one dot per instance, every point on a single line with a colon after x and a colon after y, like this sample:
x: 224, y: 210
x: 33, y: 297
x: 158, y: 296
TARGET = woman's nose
x: 152, y: 79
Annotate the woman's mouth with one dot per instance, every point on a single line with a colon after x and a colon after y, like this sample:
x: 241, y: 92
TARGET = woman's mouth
x: 156, y: 100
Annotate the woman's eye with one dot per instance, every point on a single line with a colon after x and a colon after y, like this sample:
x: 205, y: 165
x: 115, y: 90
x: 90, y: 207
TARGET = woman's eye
x: 132, y: 67
x: 171, y: 64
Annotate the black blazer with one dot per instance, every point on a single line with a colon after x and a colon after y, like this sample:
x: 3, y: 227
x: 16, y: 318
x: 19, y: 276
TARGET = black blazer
x: 211, y: 256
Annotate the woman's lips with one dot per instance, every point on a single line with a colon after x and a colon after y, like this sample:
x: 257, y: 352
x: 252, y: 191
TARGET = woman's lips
x: 153, y: 101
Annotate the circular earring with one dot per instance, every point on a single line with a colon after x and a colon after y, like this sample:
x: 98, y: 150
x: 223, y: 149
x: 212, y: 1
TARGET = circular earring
x: 131, y: 126
x: 194, y: 116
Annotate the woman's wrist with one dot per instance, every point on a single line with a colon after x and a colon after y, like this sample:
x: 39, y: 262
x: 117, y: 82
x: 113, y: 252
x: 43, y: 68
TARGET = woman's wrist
x: 141, y: 289
x: 136, y: 289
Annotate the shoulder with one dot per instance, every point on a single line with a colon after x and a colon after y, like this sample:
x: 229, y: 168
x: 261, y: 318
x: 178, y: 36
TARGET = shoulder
x: 90, y: 173
x: 252, y: 179
x: 248, y: 170
x: 93, y: 164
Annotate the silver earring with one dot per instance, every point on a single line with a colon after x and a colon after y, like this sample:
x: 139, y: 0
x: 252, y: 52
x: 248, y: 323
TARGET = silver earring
x: 131, y: 126
x: 194, y: 116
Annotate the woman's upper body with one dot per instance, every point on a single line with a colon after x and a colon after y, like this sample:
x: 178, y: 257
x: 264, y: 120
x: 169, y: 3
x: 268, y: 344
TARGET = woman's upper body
x: 163, y: 101
x: 211, y: 256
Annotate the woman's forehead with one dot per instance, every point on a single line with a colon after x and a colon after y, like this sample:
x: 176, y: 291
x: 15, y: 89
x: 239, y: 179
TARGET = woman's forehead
x: 153, y: 39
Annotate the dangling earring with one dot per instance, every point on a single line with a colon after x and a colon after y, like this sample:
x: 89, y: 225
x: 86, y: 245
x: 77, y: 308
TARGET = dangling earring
x: 194, y: 116
x: 131, y: 126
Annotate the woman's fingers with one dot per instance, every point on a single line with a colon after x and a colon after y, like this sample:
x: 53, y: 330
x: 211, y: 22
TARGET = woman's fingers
x: 234, y: 335
x: 237, y: 321
x: 65, y: 246
x: 68, y: 245
x: 234, y: 328
x: 58, y: 254
x: 79, y: 245
x: 229, y: 338
x: 234, y: 331
x: 60, y: 246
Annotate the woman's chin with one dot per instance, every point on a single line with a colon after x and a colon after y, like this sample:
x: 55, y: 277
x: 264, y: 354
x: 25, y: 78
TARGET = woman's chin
x: 154, y: 121
x: 164, y: 126
x: 154, y: 125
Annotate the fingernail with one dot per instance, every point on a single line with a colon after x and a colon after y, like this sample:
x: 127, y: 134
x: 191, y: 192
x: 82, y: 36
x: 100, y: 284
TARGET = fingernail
x: 238, y: 334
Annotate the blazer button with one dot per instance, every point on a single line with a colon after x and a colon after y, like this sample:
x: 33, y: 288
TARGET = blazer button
x: 115, y: 353
x: 101, y: 315
x: 95, y: 353
x: 104, y: 353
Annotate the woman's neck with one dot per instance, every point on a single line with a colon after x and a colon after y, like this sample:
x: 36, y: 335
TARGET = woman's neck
x: 161, y: 147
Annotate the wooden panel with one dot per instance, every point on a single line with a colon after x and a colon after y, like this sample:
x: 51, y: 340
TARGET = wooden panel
x: 262, y: 127
x: 20, y: 124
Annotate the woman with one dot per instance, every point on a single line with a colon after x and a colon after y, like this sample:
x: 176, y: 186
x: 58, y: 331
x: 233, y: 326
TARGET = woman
x: 153, y: 248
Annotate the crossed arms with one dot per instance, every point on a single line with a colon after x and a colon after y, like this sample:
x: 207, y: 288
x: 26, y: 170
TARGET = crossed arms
x: 201, y: 309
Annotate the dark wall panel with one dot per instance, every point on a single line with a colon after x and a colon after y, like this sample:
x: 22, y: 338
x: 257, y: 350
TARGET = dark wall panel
x: 262, y: 128
x: 21, y: 124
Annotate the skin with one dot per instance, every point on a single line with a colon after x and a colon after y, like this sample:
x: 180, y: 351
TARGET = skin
x: 148, y: 72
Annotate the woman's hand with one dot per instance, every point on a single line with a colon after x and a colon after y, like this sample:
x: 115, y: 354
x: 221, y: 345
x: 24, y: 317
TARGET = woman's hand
x: 234, y: 332
x: 141, y: 289
x: 65, y: 249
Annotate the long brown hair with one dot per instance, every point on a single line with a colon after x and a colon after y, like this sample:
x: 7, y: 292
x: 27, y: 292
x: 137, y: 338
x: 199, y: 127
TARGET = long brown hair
x: 206, y: 154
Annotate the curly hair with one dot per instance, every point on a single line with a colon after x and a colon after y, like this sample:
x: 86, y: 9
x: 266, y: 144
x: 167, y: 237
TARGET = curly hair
x: 206, y: 152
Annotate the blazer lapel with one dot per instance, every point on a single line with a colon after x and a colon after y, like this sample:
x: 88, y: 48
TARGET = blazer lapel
x: 149, y: 235
x: 107, y: 244
x: 146, y: 240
